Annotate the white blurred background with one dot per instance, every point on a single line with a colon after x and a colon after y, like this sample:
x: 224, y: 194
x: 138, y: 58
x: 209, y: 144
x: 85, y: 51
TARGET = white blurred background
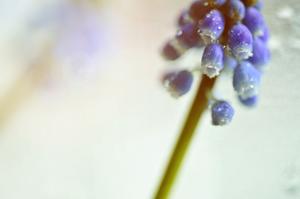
x: 83, y: 115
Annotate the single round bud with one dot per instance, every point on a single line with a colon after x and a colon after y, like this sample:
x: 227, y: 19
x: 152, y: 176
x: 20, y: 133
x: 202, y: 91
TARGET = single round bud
x: 246, y: 80
x: 222, y: 113
x: 178, y: 83
x: 254, y: 21
x: 237, y: 10
x: 188, y: 35
x: 240, y: 42
x: 212, y: 26
x: 212, y: 60
x: 261, y: 54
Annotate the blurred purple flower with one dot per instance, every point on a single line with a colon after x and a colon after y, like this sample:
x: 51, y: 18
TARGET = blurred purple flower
x: 81, y: 35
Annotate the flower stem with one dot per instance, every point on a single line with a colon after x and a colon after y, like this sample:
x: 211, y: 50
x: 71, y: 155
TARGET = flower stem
x: 197, y: 109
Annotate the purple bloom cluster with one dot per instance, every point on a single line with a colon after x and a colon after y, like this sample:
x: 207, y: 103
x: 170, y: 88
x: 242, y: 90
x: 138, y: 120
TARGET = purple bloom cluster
x: 234, y: 36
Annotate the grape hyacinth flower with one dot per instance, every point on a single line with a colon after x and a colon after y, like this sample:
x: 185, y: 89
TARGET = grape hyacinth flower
x: 188, y: 36
x: 242, y: 49
x: 178, y: 83
x: 240, y: 42
x: 261, y: 54
x: 246, y: 80
x: 212, y: 26
x: 237, y: 10
x: 222, y: 113
x: 212, y: 60
x: 234, y: 37
x: 254, y: 21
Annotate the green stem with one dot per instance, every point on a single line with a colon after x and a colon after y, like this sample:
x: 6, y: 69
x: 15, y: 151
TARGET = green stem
x: 197, y: 109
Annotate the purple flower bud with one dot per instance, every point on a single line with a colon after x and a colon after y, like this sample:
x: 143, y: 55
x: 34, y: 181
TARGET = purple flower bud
x: 229, y: 62
x: 261, y: 54
x: 178, y: 83
x: 212, y: 60
x: 221, y: 113
x: 212, y: 26
x: 246, y: 80
x: 199, y: 9
x: 254, y: 21
x: 249, y: 102
x: 184, y: 18
x: 240, y: 42
x: 172, y: 50
x: 188, y: 35
x: 265, y: 35
x: 237, y: 10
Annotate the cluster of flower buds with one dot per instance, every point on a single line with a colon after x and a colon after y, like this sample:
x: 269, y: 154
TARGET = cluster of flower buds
x: 234, y: 36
